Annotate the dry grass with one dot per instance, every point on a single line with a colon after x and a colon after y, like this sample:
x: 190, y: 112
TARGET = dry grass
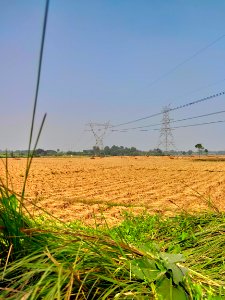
x: 83, y: 188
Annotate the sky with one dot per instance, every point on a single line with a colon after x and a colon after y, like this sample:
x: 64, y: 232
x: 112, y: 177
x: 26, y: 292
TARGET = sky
x: 111, y: 61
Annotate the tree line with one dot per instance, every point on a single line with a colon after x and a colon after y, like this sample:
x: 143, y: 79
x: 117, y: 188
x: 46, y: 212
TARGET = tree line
x: 95, y: 151
x: 107, y: 151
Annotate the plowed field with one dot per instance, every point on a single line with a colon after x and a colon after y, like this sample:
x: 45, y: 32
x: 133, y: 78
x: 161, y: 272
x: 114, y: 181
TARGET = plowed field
x: 84, y: 188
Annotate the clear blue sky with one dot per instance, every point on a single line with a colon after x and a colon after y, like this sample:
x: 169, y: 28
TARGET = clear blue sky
x: 100, y: 60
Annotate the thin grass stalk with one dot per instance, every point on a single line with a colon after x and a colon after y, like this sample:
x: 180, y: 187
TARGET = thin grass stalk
x: 38, y: 284
x: 7, y: 176
x: 29, y: 161
x: 30, y: 154
x: 7, y: 260
x: 38, y: 75
x: 6, y: 172
x: 18, y: 195
x: 69, y: 287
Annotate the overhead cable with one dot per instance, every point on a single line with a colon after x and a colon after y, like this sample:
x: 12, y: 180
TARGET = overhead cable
x: 171, y: 109
x: 184, y: 126
x: 187, y: 60
x: 173, y: 121
x: 198, y: 124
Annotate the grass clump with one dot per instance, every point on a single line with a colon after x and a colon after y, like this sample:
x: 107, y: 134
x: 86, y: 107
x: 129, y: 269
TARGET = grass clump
x: 140, y: 259
x: 66, y: 265
x: 200, y: 238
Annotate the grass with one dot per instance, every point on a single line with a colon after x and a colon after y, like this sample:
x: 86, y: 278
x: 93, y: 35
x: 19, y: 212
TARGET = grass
x: 139, y: 259
x: 199, y: 237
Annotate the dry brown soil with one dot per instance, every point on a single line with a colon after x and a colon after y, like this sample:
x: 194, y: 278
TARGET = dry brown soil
x: 86, y: 188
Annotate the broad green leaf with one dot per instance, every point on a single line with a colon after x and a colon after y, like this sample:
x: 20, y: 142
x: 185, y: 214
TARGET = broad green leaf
x: 145, y: 269
x: 170, y: 261
x: 150, y: 248
x: 166, y: 291
x: 178, y: 274
x: 172, y: 258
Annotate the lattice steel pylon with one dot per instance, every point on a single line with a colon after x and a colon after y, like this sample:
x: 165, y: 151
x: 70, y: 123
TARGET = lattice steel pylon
x: 166, y: 140
x: 99, y: 132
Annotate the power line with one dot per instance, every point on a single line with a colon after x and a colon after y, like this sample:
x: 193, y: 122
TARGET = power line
x: 187, y: 60
x: 200, y: 88
x: 190, y: 125
x: 172, y: 121
x: 171, y: 109
x: 198, y: 124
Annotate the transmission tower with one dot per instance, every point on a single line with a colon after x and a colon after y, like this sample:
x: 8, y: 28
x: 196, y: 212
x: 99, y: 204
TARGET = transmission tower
x: 166, y: 140
x: 99, y: 132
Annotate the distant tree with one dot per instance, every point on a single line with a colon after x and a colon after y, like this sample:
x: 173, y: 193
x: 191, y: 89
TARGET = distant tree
x: 107, y: 150
x: 115, y: 150
x: 96, y: 151
x: 206, y: 151
x: 199, y: 147
x: 39, y: 152
x: 133, y: 149
x: 189, y: 152
x: 51, y: 152
x: 158, y: 151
